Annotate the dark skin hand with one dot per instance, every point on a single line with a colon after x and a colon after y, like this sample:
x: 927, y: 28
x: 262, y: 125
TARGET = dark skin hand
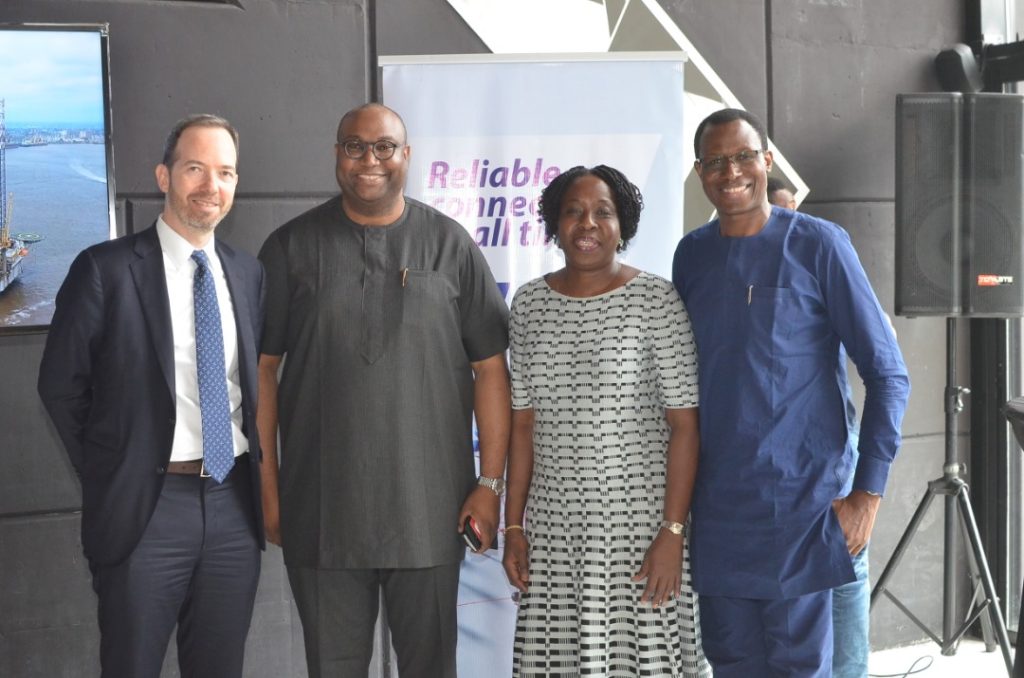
x: 856, y: 514
x: 266, y: 426
x: 663, y: 563
x: 662, y: 567
x: 516, y: 560
x: 483, y: 505
x: 493, y: 408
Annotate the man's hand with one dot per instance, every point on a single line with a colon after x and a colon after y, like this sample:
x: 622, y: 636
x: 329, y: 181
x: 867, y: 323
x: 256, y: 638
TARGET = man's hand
x: 266, y: 428
x: 272, y: 520
x: 482, y: 504
x: 856, y: 514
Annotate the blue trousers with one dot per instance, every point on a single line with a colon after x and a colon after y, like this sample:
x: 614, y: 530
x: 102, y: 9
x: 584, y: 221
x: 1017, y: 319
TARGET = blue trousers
x: 197, y: 566
x: 851, y: 607
x: 786, y: 638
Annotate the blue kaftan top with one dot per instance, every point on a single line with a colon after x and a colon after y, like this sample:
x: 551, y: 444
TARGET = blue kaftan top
x: 769, y: 313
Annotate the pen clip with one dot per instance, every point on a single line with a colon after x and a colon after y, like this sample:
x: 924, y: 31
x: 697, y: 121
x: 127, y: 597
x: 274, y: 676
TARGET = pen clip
x: 750, y: 294
x: 405, y: 275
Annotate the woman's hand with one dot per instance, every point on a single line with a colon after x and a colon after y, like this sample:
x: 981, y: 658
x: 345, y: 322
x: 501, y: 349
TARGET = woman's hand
x: 517, y: 559
x: 662, y: 568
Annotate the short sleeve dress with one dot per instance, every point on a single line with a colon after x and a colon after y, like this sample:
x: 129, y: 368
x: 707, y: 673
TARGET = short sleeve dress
x: 598, y: 373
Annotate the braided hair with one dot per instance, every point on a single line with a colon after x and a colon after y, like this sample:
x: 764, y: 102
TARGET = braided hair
x: 626, y: 196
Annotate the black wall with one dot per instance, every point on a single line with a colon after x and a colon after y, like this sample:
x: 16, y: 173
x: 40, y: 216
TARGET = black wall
x: 824, y: 73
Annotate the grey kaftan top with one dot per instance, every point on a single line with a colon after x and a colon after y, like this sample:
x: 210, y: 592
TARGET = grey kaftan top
x: 378, y: 326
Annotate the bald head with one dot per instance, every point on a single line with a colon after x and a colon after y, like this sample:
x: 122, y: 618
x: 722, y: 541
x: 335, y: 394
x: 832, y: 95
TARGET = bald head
x: 372, y: 163
x: 370, y: 109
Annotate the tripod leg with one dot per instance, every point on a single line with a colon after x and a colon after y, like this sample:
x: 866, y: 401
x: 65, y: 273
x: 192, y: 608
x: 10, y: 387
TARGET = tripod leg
x: 986, y: 577
x: 901, y: 547
x: 1018, y: 662
x: 978, y: 597
x: 950, y: 640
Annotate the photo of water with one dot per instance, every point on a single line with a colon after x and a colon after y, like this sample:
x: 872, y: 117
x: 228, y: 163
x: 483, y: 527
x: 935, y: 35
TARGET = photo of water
x: 60, y: 193
x: 53, y: 168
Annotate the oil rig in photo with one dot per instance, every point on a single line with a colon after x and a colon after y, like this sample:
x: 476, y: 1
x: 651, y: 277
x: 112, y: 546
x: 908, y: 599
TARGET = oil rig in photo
x: 13, y: 248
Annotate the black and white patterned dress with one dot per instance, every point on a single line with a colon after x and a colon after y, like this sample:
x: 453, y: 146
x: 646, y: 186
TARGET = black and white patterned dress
x: 598, y: 373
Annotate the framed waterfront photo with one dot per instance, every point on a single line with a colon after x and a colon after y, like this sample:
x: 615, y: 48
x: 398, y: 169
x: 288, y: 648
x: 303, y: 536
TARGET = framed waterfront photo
x: 56, y: 162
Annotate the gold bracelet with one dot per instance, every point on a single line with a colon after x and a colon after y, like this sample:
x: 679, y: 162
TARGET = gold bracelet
x: 515, y: 527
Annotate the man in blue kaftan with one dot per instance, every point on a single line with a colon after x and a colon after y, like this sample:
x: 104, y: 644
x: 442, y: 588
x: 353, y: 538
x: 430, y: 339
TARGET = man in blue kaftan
x: 772, y: 294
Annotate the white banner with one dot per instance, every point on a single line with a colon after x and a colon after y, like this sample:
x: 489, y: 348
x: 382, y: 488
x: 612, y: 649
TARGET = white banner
x: 488, y: 133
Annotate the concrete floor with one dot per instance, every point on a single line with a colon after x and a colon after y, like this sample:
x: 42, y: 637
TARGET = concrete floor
x: 924, y: 659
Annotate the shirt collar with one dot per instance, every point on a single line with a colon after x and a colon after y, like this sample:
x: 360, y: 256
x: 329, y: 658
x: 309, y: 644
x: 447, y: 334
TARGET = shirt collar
x: 177, y: 249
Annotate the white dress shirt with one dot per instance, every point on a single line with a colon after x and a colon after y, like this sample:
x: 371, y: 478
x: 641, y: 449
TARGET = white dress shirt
x: 180, y: 269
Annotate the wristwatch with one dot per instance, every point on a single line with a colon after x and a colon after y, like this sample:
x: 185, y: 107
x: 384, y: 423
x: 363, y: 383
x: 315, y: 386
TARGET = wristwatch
x: 673, y: 527
x: 496, y: 485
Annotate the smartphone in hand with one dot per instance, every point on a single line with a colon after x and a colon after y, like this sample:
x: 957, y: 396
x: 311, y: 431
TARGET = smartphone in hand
x: 471, y: 534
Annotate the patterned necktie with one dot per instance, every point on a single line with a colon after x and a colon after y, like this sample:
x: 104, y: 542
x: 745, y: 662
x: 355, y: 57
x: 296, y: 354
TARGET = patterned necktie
x: 214, y: 408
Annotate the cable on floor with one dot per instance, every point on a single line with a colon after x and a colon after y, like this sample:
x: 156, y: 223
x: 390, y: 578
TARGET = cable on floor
x: 913, y: 670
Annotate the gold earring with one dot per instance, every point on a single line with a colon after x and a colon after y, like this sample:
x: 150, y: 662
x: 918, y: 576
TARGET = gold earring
x: 621, y: 246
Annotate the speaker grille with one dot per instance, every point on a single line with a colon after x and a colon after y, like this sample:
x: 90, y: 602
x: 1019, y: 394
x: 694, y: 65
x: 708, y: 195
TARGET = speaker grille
x: 928, y: 203
x: 960, y: 204
x: 994, y: 182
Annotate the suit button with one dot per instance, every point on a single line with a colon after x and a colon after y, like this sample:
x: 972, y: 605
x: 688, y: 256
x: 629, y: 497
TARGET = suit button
x: 161, y: 470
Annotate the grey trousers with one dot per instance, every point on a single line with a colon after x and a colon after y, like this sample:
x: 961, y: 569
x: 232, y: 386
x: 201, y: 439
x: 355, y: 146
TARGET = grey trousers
x: 339, y: 609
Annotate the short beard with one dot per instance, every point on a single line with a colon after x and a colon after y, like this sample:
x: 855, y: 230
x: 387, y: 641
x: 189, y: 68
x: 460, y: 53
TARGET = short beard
x: 196, y: 224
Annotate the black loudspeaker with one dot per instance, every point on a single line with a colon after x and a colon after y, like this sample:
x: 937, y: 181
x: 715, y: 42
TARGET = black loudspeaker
x: 960, y: 204
x: 928, y: 145
x: 957, y: 70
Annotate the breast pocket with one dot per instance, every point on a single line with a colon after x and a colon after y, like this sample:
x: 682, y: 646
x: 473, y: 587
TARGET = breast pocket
x: 427, y: 297
x: 773, y: 311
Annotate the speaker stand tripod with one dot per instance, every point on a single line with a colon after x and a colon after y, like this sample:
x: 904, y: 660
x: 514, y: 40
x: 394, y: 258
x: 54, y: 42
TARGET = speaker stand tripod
x: 958, y: 514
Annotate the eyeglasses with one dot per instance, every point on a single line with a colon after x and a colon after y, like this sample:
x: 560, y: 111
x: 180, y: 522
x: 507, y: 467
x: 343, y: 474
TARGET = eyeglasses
x: 719, y: 163
x: 382, y: 150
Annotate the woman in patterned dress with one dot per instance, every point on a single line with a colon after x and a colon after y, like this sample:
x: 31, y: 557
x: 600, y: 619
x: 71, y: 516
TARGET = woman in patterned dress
x: 604, y: 450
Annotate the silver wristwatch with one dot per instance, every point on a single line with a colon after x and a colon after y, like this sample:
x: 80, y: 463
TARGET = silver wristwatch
x: 496, y: 485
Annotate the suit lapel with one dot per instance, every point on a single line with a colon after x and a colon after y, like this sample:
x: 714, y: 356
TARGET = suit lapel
x: 151, y: 286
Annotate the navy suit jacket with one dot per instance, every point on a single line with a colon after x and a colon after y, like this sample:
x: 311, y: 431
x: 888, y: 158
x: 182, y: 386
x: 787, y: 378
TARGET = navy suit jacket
x: 107, y: 381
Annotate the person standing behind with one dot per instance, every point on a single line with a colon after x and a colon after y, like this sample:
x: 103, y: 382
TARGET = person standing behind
x: 772, y: 294
x: 393, y: 333
x: 604, y: 450
x: 149, y: 375
x: 780, y: 195
x: 851, y: 603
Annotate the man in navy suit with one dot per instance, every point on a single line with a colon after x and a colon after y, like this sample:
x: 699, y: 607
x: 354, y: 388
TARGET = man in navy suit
x: 121, y: 377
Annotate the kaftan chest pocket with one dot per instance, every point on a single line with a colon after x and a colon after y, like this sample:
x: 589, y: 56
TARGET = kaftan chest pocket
x: 773, y: 311
x: 427, y: 296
